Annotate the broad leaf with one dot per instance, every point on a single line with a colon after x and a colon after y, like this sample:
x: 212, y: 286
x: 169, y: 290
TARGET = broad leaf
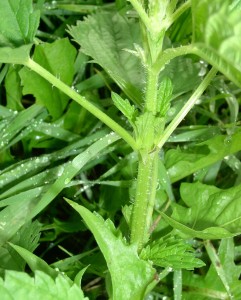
x: 181, y: 163
x: 217, y: 35
x: 19, y: 285
x: 129, y: 274
x: 19, y: 22
x: 211, y: 213
x: 18, y: 55
x: 104, y: 37
x: 58, y: 58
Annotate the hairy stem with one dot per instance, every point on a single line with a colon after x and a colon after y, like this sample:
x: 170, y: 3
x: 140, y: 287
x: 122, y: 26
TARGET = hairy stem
x: 144, y: 200
x: 82, y: 101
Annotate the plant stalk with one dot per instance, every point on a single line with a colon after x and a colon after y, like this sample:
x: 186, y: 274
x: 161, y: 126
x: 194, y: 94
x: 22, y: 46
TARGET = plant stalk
x: 82, y: 101
x: 144, y: 199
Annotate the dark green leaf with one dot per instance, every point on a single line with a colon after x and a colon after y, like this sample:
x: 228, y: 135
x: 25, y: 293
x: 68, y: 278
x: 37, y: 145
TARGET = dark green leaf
x: 58, y: 58
x: 19, y: 22
x: 212, y: 213
x: 105, y: 36
x: 123, y: 262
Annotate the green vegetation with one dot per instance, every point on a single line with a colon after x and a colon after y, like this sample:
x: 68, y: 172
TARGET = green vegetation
x: 120, y: 149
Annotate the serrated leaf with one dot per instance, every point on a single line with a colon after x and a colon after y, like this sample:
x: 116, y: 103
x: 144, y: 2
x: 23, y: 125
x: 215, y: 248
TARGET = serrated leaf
x: 212, y: 213
x: 128, y: 110
x: 217, y: 34
x: 58, y: 58
x: 19, y: 22
x: 172, y: 252
x: 20, y: 286
x: 104, y: 36
x: 126, y: 268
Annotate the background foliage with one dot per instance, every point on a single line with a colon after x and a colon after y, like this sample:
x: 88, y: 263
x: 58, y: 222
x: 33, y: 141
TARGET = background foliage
x: 53, y: 149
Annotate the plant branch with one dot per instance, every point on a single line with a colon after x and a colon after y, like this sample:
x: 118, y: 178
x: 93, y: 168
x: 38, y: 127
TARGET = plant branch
x: 187, y: 107
x: 170, y: 53
x: 82, y: 101
x: 180, y: 11
x: 142, y: 13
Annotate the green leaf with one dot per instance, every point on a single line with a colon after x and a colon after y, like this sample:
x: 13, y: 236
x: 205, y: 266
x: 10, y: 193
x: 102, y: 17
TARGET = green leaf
x: 13, y: 88
x: 209, y: 285
x: 58, y: 58
x: 171, y: 252
x: 19, y: 22
x: 126, y: 268
x: 128, y: 110
x: 104, y: 36
x: 35, y: 263
x: 18, y: 55
x: 20, y: 286
x: 181, y: 163
x: 211, y: 213
x: 217, y: 34
x: 27, y: 237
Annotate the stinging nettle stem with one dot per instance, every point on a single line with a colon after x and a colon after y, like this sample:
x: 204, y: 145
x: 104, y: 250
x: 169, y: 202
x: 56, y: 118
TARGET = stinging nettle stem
x: 82, y: 101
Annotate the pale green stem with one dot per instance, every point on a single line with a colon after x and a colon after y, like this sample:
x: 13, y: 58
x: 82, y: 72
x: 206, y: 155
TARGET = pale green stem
x: 180, y: 11
x: 82, y: 101
x: 151, y: 92
x: 166, y: 56
x: 186, y: 108
x: 145, y: 197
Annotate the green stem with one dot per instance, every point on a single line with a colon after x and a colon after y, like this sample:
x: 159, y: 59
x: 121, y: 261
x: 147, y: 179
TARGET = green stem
x: 144, y: 200
x: 187, y: 107
x: 180, y: 11
x: 151, y: 92
x: 166, y: 56
x: 82, y: 101
x: 142, y: 13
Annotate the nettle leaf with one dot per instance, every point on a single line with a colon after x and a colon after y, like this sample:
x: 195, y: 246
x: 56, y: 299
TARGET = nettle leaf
x: 125, y: 266
x: 19, y: 22
x: 58, y: 58
x: 128, y: 110
x: 217, y: 35
x: 172, y: 252
x: 19, y: 285
x: 211, y: 213
x: 104, y: 36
